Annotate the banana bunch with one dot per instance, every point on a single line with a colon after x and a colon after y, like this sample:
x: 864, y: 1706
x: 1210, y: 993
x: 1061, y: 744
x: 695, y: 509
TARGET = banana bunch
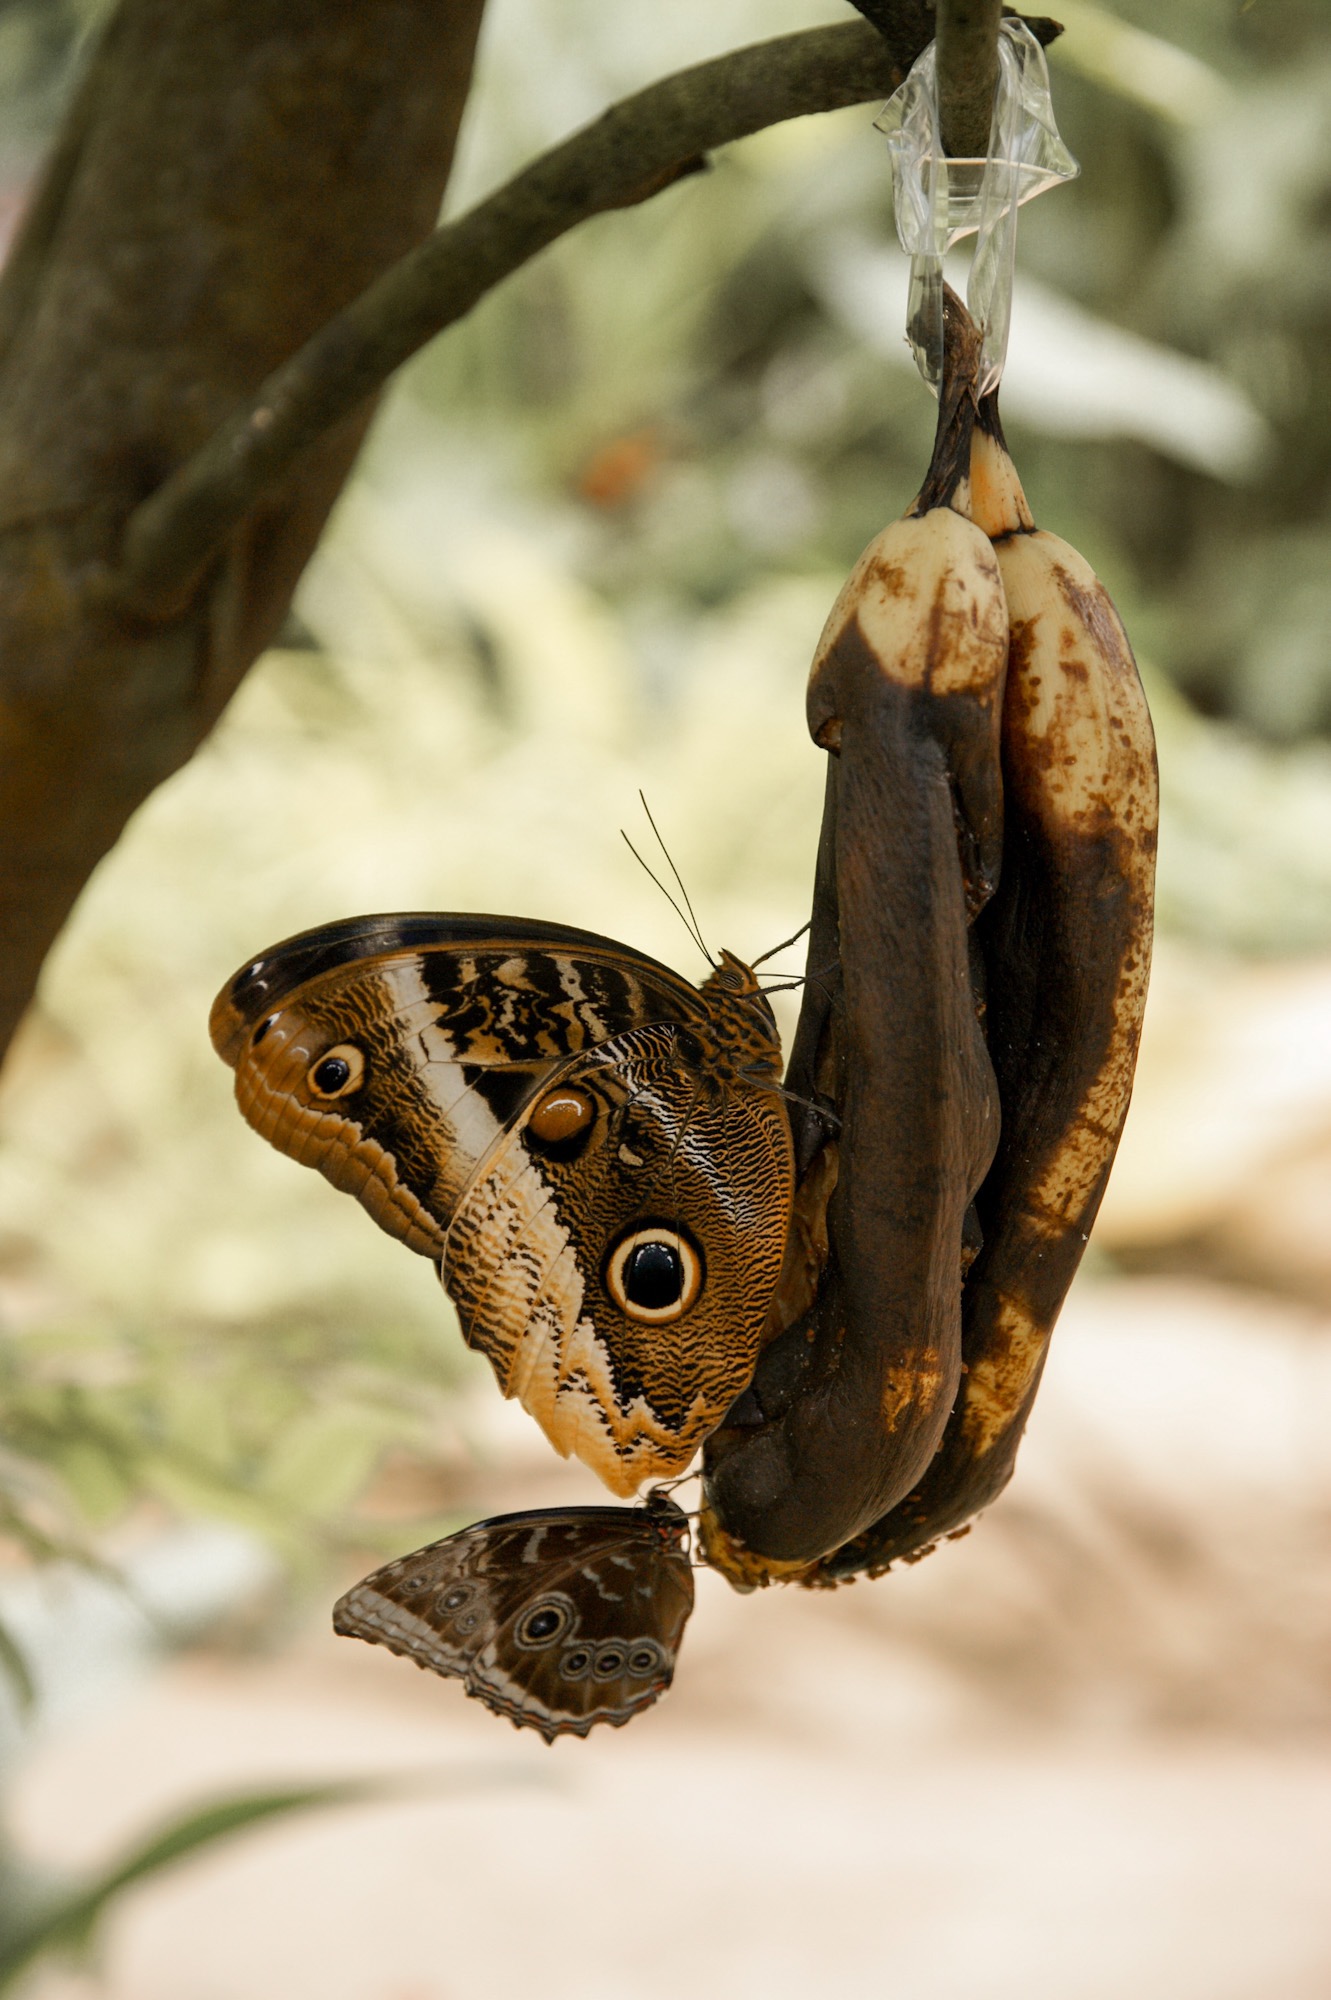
x: 1067, y: 954
x: 1056, y: 829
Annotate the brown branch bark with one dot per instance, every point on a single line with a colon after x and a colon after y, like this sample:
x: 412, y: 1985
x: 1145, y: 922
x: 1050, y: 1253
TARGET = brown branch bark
x: 967, y: 74
x: 967, y: 34
x: 630, y: 153
x: 192, y: 328
x: 633, y: 150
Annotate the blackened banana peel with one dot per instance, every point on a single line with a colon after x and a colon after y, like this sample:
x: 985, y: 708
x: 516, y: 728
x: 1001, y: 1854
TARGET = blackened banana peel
x: 849, y: 1402
x: 1067, y: 951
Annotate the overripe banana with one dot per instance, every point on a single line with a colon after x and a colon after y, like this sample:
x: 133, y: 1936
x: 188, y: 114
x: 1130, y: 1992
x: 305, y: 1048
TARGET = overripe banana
x: 1067, y: 946
x: 850, y: 1399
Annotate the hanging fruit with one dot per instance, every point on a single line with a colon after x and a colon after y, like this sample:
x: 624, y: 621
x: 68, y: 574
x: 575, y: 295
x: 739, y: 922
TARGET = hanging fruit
x: 849, y: 1403
x: 1066, y: 946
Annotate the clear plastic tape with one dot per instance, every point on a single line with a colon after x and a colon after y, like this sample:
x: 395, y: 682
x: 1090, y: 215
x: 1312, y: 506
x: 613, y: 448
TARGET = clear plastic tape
x: 938, y: 201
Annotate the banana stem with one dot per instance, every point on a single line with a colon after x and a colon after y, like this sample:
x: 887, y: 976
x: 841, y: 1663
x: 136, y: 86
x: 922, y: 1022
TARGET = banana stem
x: 998, y: 504
x: 947, y: 482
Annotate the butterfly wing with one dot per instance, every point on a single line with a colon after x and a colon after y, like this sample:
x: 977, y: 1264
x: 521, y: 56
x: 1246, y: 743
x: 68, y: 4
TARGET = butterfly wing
x: 559, y: 1258
x: 391, y: 1052
x: 558, y: 1619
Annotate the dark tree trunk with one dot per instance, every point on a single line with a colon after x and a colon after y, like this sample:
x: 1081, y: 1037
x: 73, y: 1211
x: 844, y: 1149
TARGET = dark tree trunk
x: 231, y: 175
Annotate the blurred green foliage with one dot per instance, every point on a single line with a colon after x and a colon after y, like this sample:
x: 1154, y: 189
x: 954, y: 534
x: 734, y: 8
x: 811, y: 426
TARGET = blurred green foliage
x: 40, y: 1918
x: 590, y: 549
x: 1201, y: 222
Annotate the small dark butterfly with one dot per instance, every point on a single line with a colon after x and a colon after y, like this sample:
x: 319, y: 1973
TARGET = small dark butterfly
x: 595, y: 1153
x: 558, y: 1619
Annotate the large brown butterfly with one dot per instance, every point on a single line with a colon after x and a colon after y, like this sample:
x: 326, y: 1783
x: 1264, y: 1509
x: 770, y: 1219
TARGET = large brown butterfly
x: 558, y: 1619
x: 594, y: 1152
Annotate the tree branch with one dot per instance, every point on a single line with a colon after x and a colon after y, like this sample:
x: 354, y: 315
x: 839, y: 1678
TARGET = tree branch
x: 628, y: 154
x: 967, y: 74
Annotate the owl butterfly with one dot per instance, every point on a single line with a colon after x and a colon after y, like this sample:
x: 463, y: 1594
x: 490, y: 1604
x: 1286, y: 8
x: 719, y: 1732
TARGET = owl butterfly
x: 558, y: 1619
x: 594, y: 1153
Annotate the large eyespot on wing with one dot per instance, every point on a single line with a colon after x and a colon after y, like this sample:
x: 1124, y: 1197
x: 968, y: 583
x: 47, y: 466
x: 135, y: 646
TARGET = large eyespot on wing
x: 654, y: 1273
x: 620, y: 1291
x: 548, y: 1621
x: 340, y: 1073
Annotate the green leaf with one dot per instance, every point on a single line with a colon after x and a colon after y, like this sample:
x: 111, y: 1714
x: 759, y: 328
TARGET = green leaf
x: 326, y: 1457
x: 67, y: 1922
x: 97, y: 1483
x: 194, y: 1490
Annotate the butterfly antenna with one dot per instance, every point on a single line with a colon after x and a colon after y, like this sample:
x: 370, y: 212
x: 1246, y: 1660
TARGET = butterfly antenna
x: 697, y: 927
x: 691, y: 928
x: 781, y: 947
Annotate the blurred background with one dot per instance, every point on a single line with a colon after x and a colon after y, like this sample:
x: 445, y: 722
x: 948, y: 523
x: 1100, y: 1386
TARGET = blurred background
x: 1084, y: 1752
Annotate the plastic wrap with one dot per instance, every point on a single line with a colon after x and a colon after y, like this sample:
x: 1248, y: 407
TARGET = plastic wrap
x: 938, y: 200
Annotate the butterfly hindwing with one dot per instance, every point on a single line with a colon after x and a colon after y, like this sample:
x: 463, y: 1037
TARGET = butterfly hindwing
x: 558, y: 1619
x: 670, y: 1163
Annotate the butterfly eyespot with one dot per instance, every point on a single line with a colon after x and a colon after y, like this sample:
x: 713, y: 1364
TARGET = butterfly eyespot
x: 338, y: 1073
x: 646, y: 1658
x: 262, y: 1030
x: 609, y: 1662
x: 654, y: 1274
x: 544, y: 1623
x: 576, y: 1664
x: 563, y: 1116
x: 467, y: 1624
x: 454, y: 1599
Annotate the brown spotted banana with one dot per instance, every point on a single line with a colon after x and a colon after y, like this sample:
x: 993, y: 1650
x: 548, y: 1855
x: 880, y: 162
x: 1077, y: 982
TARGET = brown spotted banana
x: 1066, y: 945
x: 850, y: 1399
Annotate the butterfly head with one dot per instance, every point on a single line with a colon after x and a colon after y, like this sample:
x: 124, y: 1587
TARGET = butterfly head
x: 742, y: 1019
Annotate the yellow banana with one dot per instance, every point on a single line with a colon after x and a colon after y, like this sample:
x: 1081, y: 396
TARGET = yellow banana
x: 1067, y: 947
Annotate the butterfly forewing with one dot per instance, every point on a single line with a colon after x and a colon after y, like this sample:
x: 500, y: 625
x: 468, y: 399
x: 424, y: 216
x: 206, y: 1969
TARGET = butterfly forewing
x: 452, y: 1024
x: 616, y: 976
x: 525, y: 1105
x: 558, y: 1619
